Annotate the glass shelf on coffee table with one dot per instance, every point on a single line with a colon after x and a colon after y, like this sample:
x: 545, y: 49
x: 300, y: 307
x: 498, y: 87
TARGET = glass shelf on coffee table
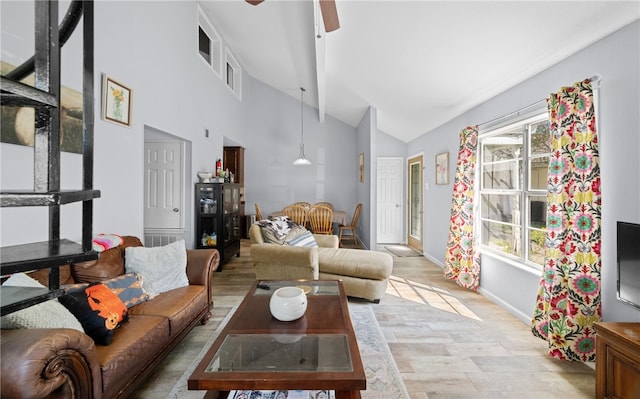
x: 283, y: 352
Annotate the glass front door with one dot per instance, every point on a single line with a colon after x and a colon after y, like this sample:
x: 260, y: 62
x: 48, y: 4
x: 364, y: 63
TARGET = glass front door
x: 414, y: 195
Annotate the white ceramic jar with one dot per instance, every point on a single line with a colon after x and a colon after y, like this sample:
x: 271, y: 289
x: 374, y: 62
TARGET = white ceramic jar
x: 288, y: 303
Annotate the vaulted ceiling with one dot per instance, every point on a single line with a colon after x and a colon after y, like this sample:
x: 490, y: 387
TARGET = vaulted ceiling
x: 419, y: 63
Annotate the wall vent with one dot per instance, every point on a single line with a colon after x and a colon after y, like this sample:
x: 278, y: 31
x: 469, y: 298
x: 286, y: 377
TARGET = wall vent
x: 159, y: 240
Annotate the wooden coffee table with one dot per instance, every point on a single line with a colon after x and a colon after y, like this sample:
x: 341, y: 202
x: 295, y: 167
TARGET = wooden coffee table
x: 256, y: 351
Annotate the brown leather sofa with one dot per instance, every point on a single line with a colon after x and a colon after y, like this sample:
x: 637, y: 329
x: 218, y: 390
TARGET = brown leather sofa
x: 65, y: 363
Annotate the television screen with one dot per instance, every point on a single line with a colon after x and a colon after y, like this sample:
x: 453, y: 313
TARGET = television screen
x: 629, y: 263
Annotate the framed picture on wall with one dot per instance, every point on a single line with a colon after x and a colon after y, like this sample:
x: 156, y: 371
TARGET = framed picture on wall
x: 442, y: 168
x: 116, y: 102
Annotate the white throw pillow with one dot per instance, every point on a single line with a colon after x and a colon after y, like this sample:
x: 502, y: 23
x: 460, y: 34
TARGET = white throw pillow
x: 49, y: 314
x: 162, y: 268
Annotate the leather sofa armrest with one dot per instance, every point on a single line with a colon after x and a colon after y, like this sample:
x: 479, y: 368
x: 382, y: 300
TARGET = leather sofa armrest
x: 38, y: 363
x: 201, y: 264
x: 327, y: 241
x: 273, y: 261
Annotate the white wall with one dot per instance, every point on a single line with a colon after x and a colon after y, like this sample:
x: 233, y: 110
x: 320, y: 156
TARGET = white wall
x: 617, y: 59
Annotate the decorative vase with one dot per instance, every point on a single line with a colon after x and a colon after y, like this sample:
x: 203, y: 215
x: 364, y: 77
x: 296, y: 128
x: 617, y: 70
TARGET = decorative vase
x: 288, y: 303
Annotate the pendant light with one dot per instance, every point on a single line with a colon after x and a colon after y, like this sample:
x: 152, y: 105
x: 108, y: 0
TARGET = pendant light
x: 302, y: 160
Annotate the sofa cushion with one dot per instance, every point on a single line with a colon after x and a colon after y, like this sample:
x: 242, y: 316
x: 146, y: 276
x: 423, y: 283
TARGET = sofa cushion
x: 133, y: 347
x: 42, y: 275
x: 180, y: 306
x: 162, y: 268
x: 98, y: 309
x: 355, y: 262
x: 49, y: 314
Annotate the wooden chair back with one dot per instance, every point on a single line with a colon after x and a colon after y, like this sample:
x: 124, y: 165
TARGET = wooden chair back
x: 321, y: 219
x: 356, y: 216
x: 303, y: 204
x: 296, y: 213
x: 351, y: 228
x: 258, y: 213
x: 327, y: 204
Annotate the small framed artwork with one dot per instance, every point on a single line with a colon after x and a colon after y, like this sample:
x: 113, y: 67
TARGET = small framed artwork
x: 442, y: 168
x: 361, y: 167
x: 116, y: 102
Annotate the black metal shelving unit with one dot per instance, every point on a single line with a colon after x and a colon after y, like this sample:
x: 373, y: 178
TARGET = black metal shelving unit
x: 44, y: 97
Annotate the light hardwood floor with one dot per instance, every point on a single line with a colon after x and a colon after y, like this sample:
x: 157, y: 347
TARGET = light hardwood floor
x: 448, y: 342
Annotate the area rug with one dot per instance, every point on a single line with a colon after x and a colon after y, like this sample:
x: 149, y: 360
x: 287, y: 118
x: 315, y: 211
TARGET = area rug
x: 383, y: 377
x: 402, y: 251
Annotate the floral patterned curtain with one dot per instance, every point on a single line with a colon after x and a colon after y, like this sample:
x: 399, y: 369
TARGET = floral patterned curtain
x: 462, y: 262
x: 568, y: 301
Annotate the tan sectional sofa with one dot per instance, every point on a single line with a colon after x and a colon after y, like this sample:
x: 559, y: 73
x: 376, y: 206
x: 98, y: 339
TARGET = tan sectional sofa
x: 364, y: 274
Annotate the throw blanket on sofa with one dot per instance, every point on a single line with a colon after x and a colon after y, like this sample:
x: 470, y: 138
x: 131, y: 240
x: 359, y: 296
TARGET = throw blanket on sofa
x: 279, y: 225
x: 102, y: 242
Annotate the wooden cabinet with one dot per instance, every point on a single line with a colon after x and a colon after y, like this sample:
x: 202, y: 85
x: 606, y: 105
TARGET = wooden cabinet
x: 618, y: 360
x: 218, y: 218
x: 234, y: 161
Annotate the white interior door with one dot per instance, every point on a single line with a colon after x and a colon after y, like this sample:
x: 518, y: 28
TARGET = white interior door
x: 163, y: 180
x: 390, y: 201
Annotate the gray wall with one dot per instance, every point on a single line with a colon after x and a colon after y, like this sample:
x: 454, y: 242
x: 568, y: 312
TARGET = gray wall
x: 176, y: 92
x: 272, y: 143
x: 616, y: 59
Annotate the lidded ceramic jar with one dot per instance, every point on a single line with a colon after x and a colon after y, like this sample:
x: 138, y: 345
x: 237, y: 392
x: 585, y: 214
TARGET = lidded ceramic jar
x: 288, y: 303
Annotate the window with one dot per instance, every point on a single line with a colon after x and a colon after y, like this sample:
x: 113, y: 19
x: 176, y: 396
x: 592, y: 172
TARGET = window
x: 514, y: 160
x: 209, y: 43
x: 233, y: 74
x: 204, y: 45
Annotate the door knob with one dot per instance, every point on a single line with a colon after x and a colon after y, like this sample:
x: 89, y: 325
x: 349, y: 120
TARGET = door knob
x: 176, y: 210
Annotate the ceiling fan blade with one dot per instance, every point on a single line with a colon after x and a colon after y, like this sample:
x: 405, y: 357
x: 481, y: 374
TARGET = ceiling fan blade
x: 329, y: 15
x: 254, y: 2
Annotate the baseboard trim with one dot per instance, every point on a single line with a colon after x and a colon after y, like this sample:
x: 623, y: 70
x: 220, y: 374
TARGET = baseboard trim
x: 525, y: 318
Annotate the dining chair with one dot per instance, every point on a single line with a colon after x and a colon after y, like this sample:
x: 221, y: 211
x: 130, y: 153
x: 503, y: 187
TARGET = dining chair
x: 258, y: 213
x: 321, y: 219
x: 327, y: 204
x: 352, y: 226
x: 296, y: 213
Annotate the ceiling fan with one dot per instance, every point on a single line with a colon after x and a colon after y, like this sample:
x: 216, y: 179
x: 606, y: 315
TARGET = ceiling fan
x: 328, y: 9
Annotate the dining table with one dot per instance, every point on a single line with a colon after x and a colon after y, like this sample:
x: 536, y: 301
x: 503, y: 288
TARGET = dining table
x: 339, y: 217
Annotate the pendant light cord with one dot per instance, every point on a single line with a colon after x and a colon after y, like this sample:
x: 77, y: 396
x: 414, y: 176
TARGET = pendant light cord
x: 302, y: 119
